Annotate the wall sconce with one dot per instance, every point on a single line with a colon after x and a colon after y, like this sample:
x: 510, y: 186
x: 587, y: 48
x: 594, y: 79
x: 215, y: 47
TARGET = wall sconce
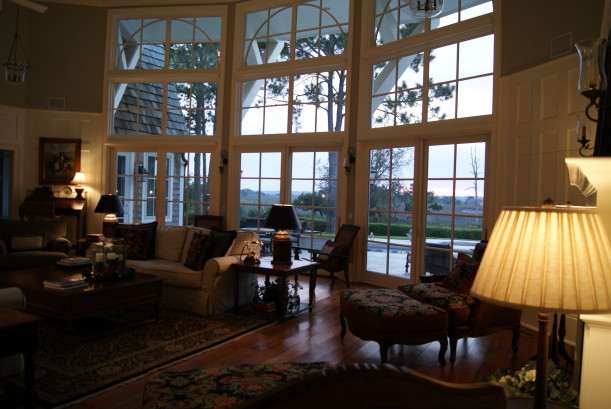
x: 581, y: 134
x: 224, y: 161
x: 592, y: 85
x: 425, y: 8
x: 349, y: 159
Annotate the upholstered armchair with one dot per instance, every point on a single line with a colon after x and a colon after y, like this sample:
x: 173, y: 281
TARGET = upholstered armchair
x: 12, y: 366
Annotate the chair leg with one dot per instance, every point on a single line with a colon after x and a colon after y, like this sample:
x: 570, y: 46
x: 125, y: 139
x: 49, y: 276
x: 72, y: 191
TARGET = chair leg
x: 443, y: 347
x: 453, y: 343
x: 342, y: 323
x: 347, y: 276
x: 384, y: 352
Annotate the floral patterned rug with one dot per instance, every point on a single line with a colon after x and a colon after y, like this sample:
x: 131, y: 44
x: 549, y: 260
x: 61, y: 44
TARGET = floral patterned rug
x: 100, y: 351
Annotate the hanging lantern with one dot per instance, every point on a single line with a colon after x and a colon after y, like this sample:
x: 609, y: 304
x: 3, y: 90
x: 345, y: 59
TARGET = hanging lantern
x: 425, y: 8
x: 14, y: 70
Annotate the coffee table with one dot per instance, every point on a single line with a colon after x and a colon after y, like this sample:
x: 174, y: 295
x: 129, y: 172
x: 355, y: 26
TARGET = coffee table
x: 98, y: 297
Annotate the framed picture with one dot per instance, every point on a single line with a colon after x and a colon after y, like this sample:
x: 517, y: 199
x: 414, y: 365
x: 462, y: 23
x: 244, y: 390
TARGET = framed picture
x: 59, y: 160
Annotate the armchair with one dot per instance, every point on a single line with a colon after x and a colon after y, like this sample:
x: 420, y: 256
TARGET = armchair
x: 334, y: 256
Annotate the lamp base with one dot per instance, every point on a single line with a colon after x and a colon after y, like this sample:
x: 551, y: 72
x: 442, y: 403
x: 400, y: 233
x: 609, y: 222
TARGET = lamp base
x: 281, y: 252
x: 79, y: 192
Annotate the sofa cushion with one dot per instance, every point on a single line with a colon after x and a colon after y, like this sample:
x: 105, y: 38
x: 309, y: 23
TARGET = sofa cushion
x: 174, y: 274
x: 220, y: 387
x: 457, y: 305
x: 139, y: 238
x: 27, y: 242
x: 196, y: 255
x: 220, y: 242
x: 169, y: 241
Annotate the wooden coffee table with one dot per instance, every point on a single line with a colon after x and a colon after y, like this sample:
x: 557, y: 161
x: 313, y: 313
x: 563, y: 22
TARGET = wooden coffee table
x: 98, y: 297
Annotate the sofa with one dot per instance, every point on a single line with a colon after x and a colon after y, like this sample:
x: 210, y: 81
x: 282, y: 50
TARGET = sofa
x: 195, y: 264
x: 33, y: 243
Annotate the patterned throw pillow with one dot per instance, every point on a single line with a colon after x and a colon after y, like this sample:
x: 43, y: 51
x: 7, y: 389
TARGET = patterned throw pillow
x: 461, y: 278
x: 326, y: 250
x: 139, y: 239
x: 196, y: 256
x: 29, y: 242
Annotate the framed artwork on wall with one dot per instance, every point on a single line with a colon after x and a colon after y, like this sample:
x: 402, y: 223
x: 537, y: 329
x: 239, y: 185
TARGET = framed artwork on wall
x: 59, y: 160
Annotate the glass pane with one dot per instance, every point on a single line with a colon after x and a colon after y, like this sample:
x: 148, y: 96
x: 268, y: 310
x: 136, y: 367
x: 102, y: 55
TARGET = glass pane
x: 377, y: 258
x: 403, y: 163
x: 442, y: 102
x: 470, y: 197
x: 476, y: 57
x: 280, y: 20
x: 308, y: 16
x: 441, y: 161
x: 411, y: 71
x: 442, y: 65
x: 303, y: 165
x: 398, y: 261
x: 153, y: 31
x: 448, y: 16
x: 379, y: 163
x: 475, y: 97
x: 249, y: 165
x: 270, y: 191
x: 270, y: 164
x: 252, y: 121
x: 470, y: 160
x: 276, y: 120
x: 471, y: 10
x: 208, y: 29
x: 439, y: 194
x: 467, y: 233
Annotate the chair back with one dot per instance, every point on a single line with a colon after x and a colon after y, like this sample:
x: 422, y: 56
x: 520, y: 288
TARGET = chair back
x: 207, y: 221
x: 369, y: 387
x: 345, y: 237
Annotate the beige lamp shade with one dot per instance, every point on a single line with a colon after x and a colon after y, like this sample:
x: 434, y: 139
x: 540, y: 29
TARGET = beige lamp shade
x: 553, y: 259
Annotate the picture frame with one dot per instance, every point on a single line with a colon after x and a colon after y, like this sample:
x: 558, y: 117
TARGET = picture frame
x: 59, y: 159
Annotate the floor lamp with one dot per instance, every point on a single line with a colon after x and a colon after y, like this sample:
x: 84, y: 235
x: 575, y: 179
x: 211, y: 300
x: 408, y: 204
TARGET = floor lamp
x: 552, y: 259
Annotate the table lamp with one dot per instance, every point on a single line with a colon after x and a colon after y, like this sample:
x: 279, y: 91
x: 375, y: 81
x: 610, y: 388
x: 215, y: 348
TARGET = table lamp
x: 550, y: 259
x: 79, y: 179
x: 111, y: 206
x: 282, y: 217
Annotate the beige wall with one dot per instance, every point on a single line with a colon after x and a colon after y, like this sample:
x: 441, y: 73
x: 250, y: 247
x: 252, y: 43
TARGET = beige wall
x: 65, y: 48
x: 528, y: 28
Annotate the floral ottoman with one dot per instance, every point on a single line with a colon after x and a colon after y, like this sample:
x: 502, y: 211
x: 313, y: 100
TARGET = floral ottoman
x: 390, y: 317
x: 220, y: 387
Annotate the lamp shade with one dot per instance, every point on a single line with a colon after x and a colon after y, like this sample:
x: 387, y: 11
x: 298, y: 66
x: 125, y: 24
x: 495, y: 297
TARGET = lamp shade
x: 552, y: 259
x: 79, y: 178
x: 282, y: 217
x: 109, y: 204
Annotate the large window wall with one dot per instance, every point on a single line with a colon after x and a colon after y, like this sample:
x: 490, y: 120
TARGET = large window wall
x: 288, y: 122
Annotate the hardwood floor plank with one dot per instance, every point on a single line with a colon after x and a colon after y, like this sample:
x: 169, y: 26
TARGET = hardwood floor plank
x: 314, y: 336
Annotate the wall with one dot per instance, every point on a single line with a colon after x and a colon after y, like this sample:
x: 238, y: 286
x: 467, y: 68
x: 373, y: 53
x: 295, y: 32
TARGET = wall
x: 529, y: 28
x: 65, y: 47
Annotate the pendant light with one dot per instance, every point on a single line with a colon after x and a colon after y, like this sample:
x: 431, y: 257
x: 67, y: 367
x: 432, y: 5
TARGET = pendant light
x: 14, y: 70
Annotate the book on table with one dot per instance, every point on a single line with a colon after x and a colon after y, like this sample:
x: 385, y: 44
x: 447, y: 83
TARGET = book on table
x: 74, y: 261
x: 66, y: 283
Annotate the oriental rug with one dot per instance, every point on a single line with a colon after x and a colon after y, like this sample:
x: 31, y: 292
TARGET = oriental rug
x: 100, y: 351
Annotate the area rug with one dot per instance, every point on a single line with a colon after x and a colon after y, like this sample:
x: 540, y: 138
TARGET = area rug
x: 100, y: 352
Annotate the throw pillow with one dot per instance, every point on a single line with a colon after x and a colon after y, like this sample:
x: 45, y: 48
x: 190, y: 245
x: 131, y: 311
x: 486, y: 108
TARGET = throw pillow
x: 461, y: 278
x: 196, y: 256
x: 27, y: 242
x: 328, y: 248
x: 139, y: 239
x: 220, y: 242
x: 169, y: 241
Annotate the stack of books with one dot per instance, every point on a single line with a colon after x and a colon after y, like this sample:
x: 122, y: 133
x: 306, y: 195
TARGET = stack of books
x: 74, y: 262
x: 66, y: 283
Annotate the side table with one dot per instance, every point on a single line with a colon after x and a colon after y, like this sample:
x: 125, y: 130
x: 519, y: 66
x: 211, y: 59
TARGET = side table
x: 18, y: 336
x: 283, y: 271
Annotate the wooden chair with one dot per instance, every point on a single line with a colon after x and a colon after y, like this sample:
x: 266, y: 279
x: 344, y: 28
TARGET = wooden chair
x: 207, y: 221
x: 335, y: 256
x: 369, y: 387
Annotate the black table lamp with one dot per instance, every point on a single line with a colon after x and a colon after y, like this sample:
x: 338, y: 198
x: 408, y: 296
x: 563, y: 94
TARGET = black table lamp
x: 282, y: 217
x: 112, y: 207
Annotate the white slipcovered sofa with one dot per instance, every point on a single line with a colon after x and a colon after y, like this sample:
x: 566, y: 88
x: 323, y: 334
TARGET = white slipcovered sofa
x: 210, y: 290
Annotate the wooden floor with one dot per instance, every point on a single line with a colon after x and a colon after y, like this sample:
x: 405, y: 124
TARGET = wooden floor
x: 314, y: 336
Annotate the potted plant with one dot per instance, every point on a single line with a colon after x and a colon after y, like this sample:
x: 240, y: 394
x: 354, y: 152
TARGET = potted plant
x: 522, y: 383
x: 267, y: 296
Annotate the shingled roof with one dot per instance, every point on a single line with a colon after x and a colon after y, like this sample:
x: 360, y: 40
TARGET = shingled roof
x: 139, y: 111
